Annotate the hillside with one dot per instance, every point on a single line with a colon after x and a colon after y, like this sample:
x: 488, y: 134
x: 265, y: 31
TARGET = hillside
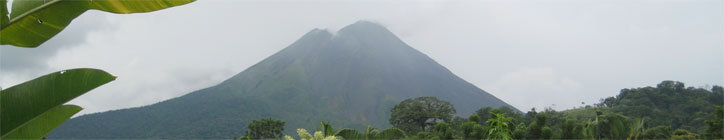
x: 670, y: 110
x: 669, y: 103
x: 351, y: 79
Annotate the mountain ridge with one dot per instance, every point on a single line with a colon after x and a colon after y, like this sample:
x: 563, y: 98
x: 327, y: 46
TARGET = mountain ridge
x: 351, y: 78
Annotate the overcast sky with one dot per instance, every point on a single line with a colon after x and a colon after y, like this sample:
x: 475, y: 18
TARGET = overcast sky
x: 527, y: 53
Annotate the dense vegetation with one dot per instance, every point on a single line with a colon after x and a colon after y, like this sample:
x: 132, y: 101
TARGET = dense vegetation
x: 414, y: 115
x: 668, y: 111
x: 669, y: 103
x: 267, y: 128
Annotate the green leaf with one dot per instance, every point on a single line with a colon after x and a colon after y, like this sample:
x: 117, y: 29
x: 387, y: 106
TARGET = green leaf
x: 40, y: 126
x: 350, y: 134
x: 33, y: 22
x: 4, y: 12
x: 327, y: 129
x: 24, y: 102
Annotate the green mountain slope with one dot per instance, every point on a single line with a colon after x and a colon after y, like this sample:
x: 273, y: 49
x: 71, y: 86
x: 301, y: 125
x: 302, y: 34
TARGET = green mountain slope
x: 351, y: 78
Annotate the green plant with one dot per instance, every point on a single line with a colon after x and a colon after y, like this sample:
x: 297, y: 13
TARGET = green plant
x: 33, y: 22
x: 267, y: 128
x: 636, y: 128
x: 658, y: 132
x: 34, y: 108
x: 327, y: 129
x: 535, y: 130
x: 372, y: 133
x: 417, y: 114
x: 681, y: 134
x: 473, y: 130
x: 498, y: 127
x: 304, y: 135
x: 715, y: 129
x: 444, y: 130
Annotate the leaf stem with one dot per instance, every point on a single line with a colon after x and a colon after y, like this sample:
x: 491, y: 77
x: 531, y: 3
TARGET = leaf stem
x: 41, y: 7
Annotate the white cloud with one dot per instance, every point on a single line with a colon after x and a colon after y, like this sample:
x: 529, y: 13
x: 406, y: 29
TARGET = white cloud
x: 529, y: 53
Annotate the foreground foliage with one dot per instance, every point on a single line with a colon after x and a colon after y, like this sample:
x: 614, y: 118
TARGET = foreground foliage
x: 304, y: 135
x: 33, y: 109
x: 32, y: 22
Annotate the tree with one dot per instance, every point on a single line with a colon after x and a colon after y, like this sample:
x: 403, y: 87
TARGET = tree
x: 658, y: 132
x: 530, y: 116
x: 717, y: 96
x: 608, y: 101
x: 681, y: 134
x: 423, y: 135
x: 546, y: 133
x: 614, y: 126
x: 474, y: 118
x: 483, y: 114
x: 415, y: 115
x: 716, y: 126
x: 457, y: 123
x: 520, y: 131
x: 444, y: 131
x: 608, y: 126
x: 717, y: 89
x: 670, y: 86
x: 669, y: 103
x: 535, y: 130
x: 571, y: 129
x: 267, y: 128
x: 473, y: 130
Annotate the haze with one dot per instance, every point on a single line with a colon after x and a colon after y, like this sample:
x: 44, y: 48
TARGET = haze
x: 527, y: 53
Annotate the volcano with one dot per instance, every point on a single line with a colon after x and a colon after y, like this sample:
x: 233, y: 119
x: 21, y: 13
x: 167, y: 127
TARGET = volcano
x: 351, y: 79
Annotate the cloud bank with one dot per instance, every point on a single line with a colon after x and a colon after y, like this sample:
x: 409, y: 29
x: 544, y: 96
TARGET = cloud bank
x: 528, y: 53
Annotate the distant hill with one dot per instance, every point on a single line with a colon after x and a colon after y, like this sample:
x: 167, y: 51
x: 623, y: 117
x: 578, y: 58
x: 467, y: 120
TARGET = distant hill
x: 669, y: 103
x: 351, y: 78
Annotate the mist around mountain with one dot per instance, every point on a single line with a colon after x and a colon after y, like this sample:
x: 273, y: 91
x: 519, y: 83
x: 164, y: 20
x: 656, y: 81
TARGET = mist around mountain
x: 351, y: 79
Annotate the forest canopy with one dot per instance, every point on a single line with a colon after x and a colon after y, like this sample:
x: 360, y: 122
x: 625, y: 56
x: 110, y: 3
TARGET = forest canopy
x: 668, y: 111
